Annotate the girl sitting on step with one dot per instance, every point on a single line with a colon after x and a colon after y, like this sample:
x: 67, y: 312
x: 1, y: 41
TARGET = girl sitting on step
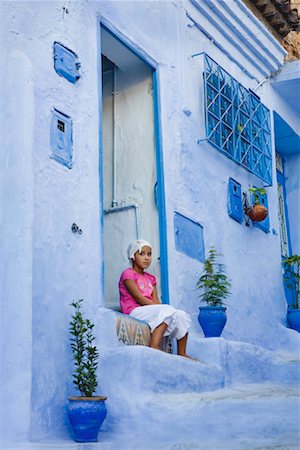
x: 138, y: 298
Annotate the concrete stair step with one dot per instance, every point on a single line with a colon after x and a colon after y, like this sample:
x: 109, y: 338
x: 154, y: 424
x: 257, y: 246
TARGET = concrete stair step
x: 252, y: 417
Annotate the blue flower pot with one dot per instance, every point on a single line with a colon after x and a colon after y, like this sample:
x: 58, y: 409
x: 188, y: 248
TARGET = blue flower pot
x: 212, y: 320
x: 86, y: 415
x: 293, y: 318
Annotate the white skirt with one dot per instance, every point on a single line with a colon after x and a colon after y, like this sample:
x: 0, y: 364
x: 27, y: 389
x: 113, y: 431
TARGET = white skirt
x: 178, y: 321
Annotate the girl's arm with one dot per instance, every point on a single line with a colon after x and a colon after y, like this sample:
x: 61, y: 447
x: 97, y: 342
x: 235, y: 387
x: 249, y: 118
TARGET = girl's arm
x: 136, y: 293
x: 155, y: 297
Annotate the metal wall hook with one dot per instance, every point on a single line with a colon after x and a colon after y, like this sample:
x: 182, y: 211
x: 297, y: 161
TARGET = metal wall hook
x: 75, y: 229
x: 246, y: 208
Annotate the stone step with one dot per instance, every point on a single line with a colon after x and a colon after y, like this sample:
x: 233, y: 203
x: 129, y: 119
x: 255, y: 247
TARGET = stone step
x: 244, y: 417
x: 222, y: 362
x: 252, y: 417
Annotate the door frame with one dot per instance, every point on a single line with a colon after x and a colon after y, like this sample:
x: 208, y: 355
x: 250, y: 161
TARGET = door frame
x: 280, y: 179
x: 150, y: 62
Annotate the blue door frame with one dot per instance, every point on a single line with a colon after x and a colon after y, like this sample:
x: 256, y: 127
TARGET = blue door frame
x: 281, y: 180
x: 102, y: 23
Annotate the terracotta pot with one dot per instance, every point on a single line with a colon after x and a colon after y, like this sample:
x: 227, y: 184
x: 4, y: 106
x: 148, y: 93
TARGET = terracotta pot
x: 257, y: 213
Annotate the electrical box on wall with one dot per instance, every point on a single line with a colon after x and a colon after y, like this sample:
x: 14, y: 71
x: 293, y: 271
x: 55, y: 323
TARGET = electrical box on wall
x: 189, y: 237
x: 61, y: 138
x: 234, y: 200
x: 66, y: 62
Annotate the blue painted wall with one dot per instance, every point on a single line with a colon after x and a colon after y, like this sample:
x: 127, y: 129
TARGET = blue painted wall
x: 44, y: 266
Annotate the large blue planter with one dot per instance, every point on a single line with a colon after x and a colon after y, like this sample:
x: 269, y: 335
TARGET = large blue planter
x: 293, y: 318
x: 86, y: 415
x: 212, y: 320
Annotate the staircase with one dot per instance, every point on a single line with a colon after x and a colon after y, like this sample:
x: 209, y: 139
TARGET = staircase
x: 238, y: 396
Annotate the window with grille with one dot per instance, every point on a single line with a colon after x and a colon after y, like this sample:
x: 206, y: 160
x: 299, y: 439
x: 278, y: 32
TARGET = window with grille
x: 237, y: 123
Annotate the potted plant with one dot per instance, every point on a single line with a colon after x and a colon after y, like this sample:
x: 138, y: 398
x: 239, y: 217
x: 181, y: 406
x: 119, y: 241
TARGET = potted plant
x: 257, y: 212
x: 292, y: 278
x: 86, y: 412
x: 215, y: 288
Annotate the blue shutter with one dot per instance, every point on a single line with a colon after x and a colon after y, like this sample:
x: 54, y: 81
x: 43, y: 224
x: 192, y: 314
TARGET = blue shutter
x: 234, y: 200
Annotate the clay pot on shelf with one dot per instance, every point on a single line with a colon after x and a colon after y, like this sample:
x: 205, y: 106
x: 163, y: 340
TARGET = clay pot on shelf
x: 257, y: 213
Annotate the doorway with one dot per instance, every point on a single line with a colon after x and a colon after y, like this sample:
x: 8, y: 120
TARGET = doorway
x: 131, y: 198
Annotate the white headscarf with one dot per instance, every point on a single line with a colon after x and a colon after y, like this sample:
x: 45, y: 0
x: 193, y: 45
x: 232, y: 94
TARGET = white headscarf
x: 137, y: 246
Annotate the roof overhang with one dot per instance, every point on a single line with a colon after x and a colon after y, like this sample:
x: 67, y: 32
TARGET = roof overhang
x: 287, y: 83
x: 287, y: 141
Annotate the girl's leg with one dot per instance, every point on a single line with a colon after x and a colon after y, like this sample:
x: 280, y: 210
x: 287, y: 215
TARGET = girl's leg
x: 157, y: 335
x: 181, y: 345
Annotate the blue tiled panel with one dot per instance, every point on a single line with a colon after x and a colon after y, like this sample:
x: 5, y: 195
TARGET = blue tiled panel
x: 66, y: 63
x: 265, y: 224
x: 188, y: 237
x: 61, y: 138
x: 132, y: 331
x: 234, y: 200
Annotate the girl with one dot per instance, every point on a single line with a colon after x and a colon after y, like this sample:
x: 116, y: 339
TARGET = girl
x: 138, y: 298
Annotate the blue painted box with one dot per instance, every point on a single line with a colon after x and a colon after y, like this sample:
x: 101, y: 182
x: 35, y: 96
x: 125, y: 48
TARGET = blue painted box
x: 61, y: 138
x: 189, y: 237
x: 66, y: 62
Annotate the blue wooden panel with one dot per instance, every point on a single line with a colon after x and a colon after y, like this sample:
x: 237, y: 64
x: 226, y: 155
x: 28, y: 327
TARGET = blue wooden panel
x: 61, y: 138
x: 234, y: 200
x: 66, y: 63
x: 289, y: 287
x: 189, y: 237
x: 265, y: 224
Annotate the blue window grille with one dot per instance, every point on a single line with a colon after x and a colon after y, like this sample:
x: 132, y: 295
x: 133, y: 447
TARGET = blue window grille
x: 237, y: 123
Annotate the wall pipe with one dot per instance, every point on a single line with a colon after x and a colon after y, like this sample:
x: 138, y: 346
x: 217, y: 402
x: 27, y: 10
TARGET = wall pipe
x: 124, y: 207
x: 114, y: 150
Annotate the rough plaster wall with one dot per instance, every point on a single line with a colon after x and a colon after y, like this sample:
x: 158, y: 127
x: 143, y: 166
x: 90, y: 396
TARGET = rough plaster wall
x: 64, y: 266
x: 67, y: 266
x: 17, y: 214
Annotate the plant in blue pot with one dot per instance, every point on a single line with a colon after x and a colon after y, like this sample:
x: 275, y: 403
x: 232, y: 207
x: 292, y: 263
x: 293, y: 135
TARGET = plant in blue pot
x: 292, y: 278
x: 215, y: 288
x: 86, y: 412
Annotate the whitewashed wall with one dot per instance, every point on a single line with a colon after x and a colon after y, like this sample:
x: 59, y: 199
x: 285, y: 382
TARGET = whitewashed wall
x: 43, y: 265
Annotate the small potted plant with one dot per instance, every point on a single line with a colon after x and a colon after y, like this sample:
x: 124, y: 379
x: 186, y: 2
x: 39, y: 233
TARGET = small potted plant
x: 215, y: 288
x: 292, y: 278
x: 86, y: 412
x: 257, y: 212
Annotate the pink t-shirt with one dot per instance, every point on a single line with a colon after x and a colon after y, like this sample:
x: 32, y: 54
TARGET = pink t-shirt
x: 145, y: 283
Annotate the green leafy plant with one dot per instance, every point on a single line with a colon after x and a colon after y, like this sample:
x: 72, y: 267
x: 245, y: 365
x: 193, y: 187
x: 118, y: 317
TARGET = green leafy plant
x: 292, y: 278
x: 84, y: 352
x: 213, y: 282
x: 256, y: 192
